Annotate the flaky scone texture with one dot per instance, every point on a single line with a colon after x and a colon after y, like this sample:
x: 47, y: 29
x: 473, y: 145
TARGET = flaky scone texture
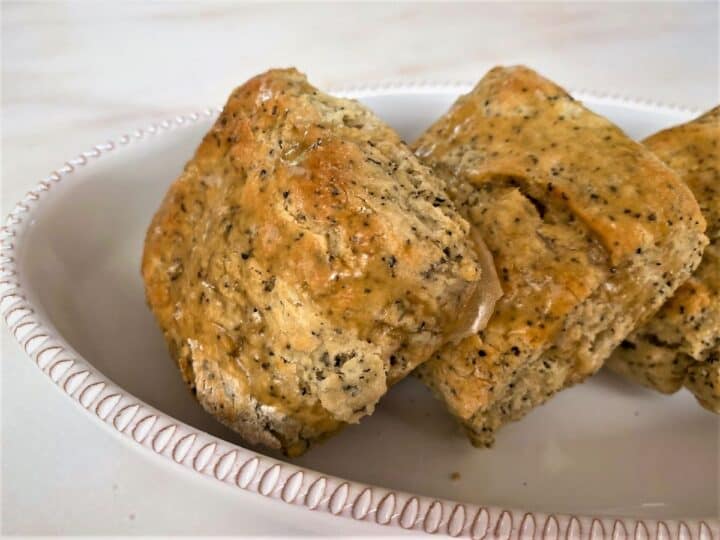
x: 303, y: 261
x: 590, y: 233
x: 680, y: 346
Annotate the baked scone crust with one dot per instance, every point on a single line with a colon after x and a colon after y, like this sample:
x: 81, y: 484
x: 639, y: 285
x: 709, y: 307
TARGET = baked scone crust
x: 304, y: 261
x: 680, y: 346
x: 590, y: 233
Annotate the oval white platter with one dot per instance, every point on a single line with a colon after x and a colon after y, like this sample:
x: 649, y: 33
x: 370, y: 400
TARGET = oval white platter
x: 605, y: 459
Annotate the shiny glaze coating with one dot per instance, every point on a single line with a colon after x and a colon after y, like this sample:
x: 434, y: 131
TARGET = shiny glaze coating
x: 590, y: 234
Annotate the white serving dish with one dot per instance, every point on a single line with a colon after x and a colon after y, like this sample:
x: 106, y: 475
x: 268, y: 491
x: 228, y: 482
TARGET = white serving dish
x: 602, y: 460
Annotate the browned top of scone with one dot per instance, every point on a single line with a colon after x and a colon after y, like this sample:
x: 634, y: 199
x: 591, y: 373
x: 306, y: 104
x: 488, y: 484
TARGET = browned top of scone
x: 693, y: 151
x: 303, y: 260
x: 565, y: 200
x: 534, y: 130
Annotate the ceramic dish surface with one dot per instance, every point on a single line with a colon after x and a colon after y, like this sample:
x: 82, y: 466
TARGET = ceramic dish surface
x: 605, y: 459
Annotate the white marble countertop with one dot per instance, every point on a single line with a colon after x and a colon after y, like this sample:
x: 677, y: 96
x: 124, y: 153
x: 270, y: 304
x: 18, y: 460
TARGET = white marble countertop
x: 75, y: 74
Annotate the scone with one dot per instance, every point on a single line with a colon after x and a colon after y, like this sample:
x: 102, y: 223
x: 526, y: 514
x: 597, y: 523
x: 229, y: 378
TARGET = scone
x: 680, y: 346
x: 304, y: 261
x: 590, y: 233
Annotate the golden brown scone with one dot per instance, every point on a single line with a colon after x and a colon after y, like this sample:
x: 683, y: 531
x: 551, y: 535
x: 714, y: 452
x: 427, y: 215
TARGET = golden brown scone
x: 680, y: 346
x: 304, y: 261
x: 590, y: 233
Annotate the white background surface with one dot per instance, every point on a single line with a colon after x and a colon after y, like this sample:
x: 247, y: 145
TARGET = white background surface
x: 75, y: 74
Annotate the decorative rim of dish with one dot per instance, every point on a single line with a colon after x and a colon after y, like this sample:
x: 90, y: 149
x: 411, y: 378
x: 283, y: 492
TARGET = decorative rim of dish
x: 143, y: 425
x: 429, y: 86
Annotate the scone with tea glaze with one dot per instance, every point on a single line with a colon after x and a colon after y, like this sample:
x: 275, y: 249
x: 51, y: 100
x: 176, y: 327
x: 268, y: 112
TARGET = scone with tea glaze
x: 304, y: 261
x: 680, y: 346
x: 590, y: 233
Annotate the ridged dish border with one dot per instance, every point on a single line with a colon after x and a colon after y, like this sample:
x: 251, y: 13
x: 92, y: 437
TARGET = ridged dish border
x: 142, y: 425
